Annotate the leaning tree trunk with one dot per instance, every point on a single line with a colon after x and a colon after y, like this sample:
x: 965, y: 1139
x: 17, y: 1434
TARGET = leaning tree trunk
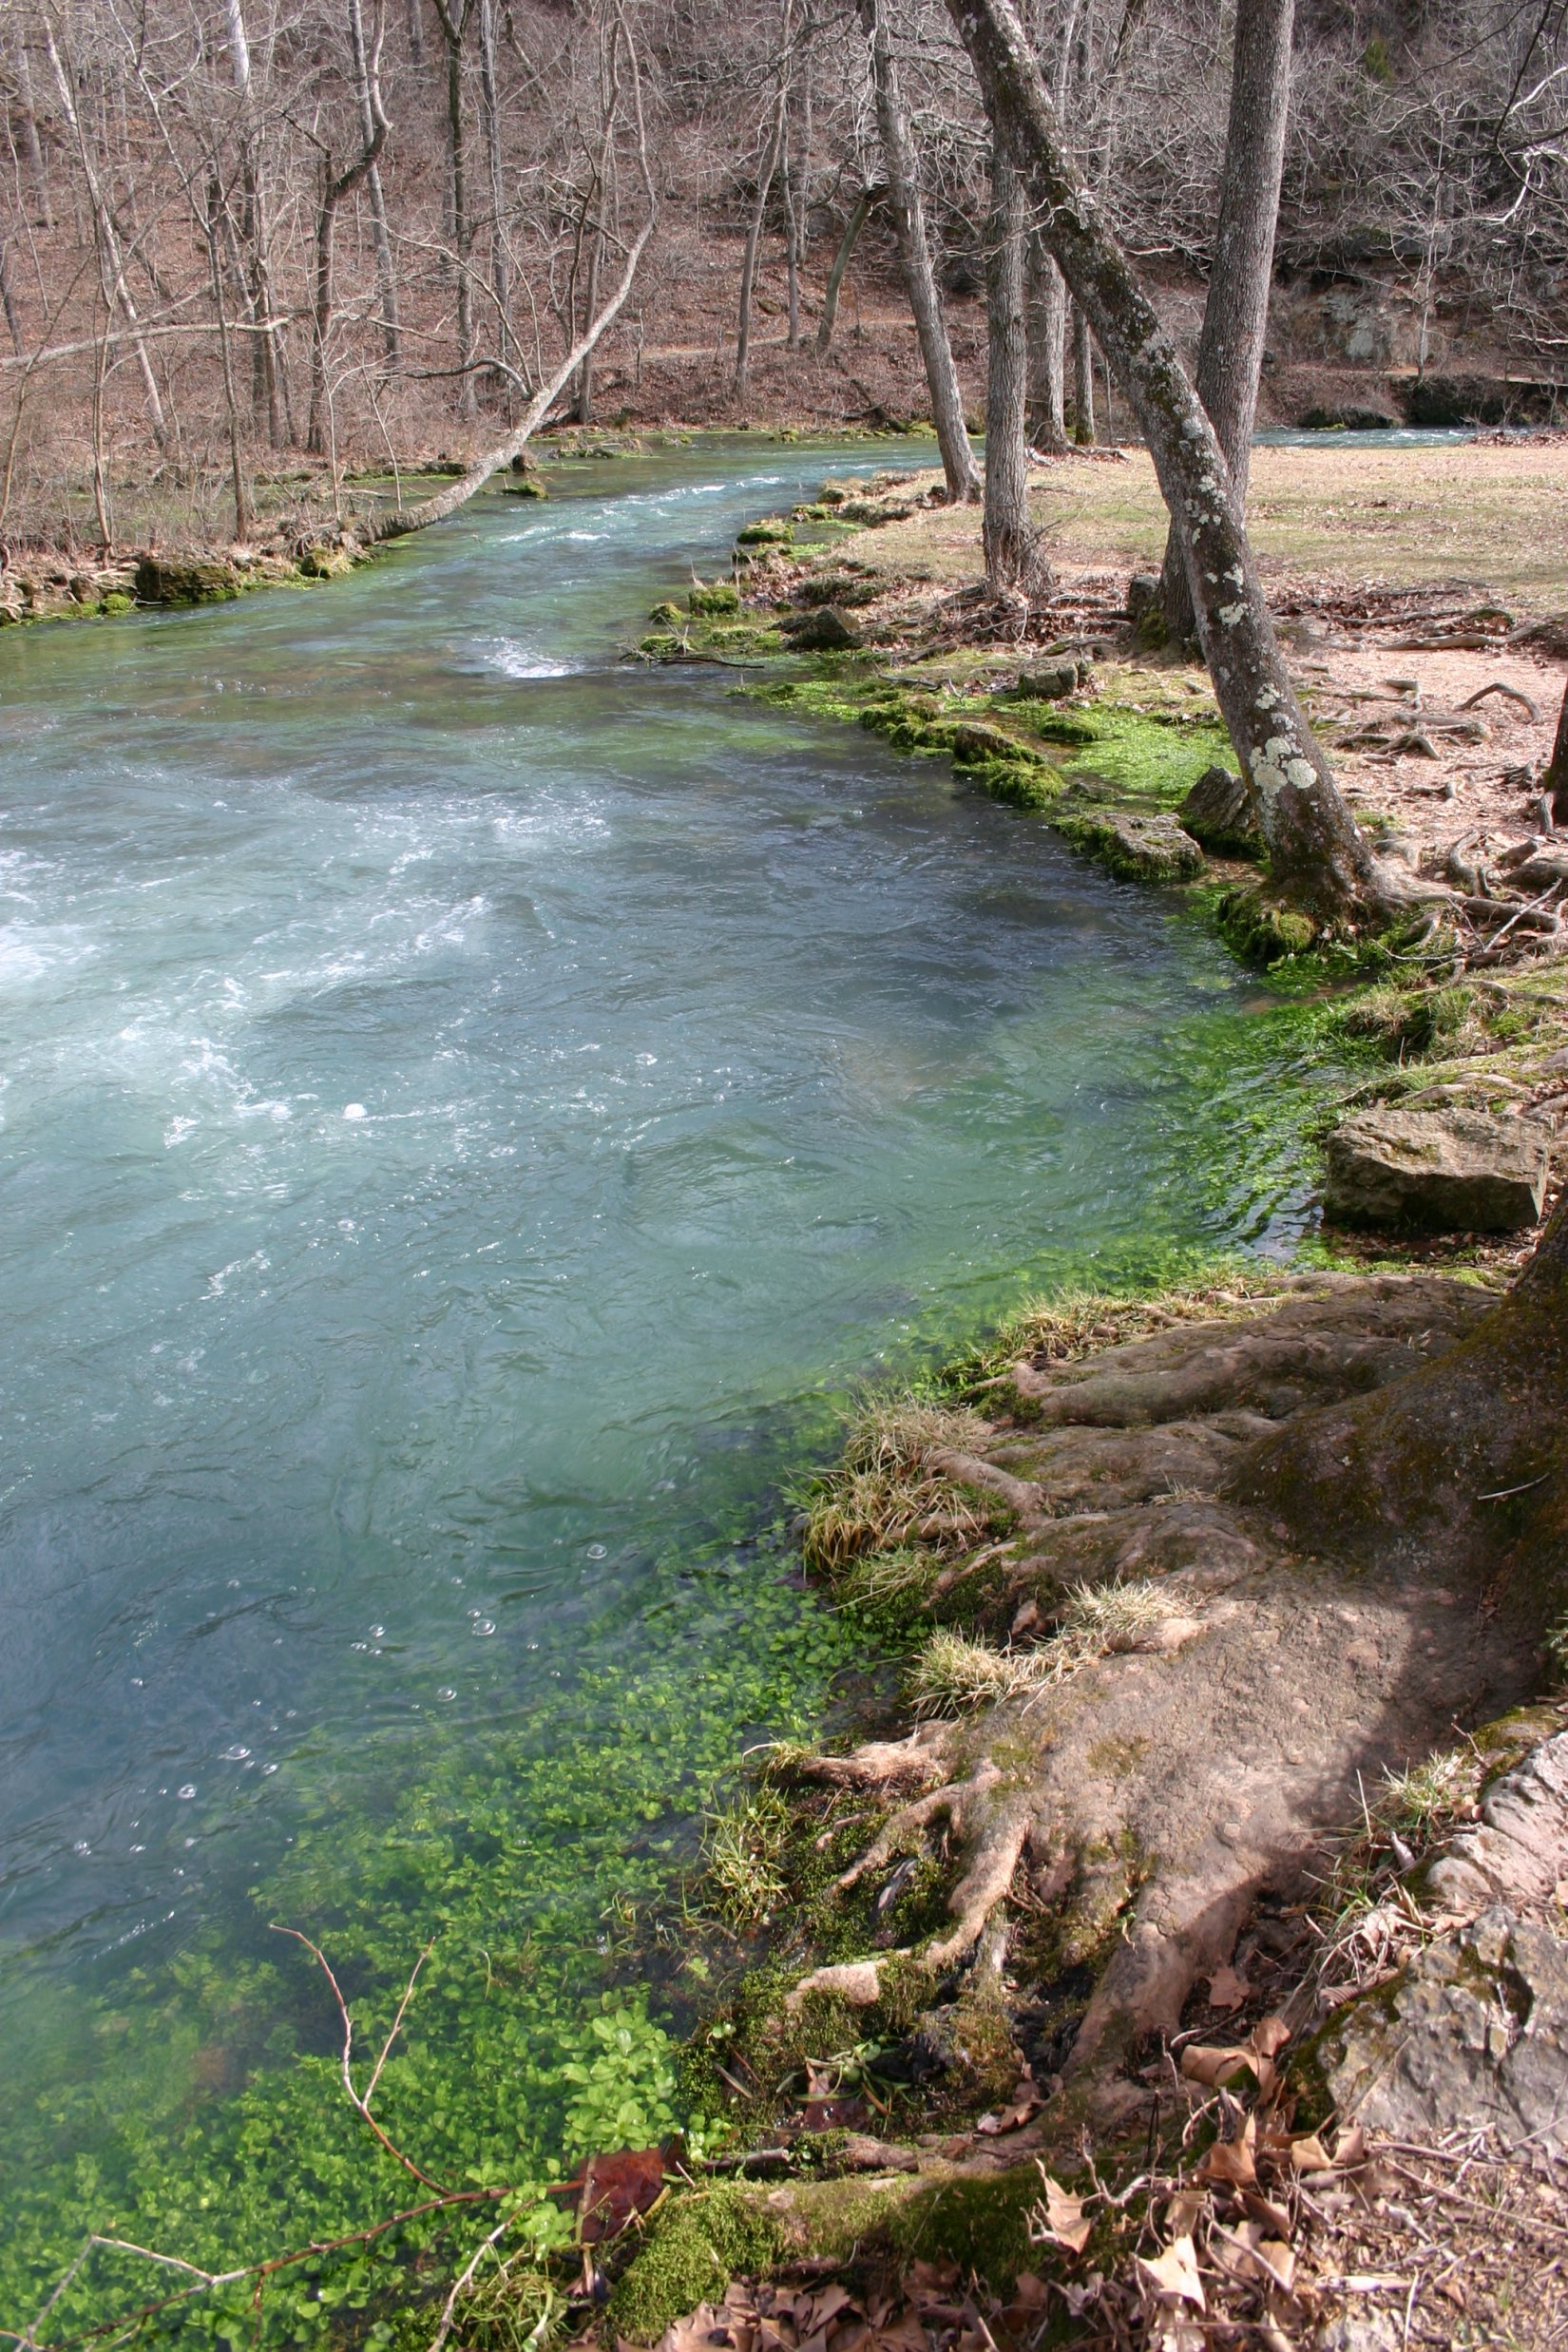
x: 458, y: 494
x: 1316, y: 853
x: 1046, y: 320
x: 847, y: 243
x: 1009, y: 538
x: 908, y: 211
x: 1235, y: 317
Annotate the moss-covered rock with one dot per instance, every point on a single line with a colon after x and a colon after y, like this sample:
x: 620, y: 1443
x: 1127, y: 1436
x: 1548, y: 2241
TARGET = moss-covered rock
x: 116, y: 602
x: 166, y: 580
x: 320, y: 560
x: 1145, y: 845
x: 772, y: 530
x: 712, y: 598
x: 693, y: 2249
x: 1261, y: 929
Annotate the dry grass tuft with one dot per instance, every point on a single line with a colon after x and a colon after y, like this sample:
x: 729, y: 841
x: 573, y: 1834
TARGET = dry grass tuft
x: 955, y: 1671
x: 1078, y: 1323
x: 743, y: 1850
x: 886, y: 1497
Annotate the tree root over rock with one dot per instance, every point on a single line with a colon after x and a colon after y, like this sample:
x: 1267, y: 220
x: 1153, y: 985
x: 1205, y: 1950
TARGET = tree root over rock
x: 1351, y: 1504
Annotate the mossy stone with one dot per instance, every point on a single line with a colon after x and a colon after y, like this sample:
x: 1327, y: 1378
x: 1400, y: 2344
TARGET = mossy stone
x: 116, y: 602
x: 693, y: 2249
x: 163, y: 581
x: 712, y: 598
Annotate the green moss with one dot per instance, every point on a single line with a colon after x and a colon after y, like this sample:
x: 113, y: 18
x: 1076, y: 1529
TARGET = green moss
x: 1150, y: 755
x: 695, y: 2245
x: 982, y: 2225
x: 1260, y: 928
x: 714, y: 597
x: 115, y: 603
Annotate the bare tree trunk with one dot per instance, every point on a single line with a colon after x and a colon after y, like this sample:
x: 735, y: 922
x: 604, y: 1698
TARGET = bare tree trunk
x: 111, y: 257
x: 367, y: 93
x: 1083, y: 381
x: 864, y: 205
x: 584, y: 384
x: 29, y: 137
x: 754, y: 233
x: 335, y: 186
x: 1010, y: 540
x: 1317, y: 851
x: 489, y: 88
x: 1235, y: 317
x: 8, y: 301
x: 416, y: 34
x: 237, y: 462
x: 908, y: 211
x: 1555, y: 776
x: 1046, y: 323
x: 454, y: 23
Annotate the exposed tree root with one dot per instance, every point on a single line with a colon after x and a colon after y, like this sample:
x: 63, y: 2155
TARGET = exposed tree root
x: 1310, y: 1486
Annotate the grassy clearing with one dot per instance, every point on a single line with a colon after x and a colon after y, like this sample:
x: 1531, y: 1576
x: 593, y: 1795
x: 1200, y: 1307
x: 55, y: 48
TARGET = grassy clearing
x: 1349, y: 517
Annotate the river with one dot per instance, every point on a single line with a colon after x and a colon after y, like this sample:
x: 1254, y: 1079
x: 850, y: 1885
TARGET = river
x: 471, y: 1104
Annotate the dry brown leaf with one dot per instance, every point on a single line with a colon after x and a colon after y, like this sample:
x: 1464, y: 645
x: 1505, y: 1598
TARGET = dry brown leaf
x: 1273, y: 2217
x: 1029, y: 2291
x: 1173, y: 2273
x: 1065, y: 2221
x: 1351, y: 2149
x: 1227, y: 1989
x: 1182, y: 2211
x: 1269, y: 2036
x: 1007, y: 2118
x: 1213, y: 2064
x: 1279, y: 2260
x: 1232, y: 2161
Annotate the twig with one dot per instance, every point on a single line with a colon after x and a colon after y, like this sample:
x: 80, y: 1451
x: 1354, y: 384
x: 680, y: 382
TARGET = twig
x: 465, y: 2280
x: 362, y: 2105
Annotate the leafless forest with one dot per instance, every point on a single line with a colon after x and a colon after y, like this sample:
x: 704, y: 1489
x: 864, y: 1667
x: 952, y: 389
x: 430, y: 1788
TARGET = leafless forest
x: 238, y: 238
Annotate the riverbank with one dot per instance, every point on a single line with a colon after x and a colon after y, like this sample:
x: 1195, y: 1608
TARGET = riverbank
x: 1088, y: 1749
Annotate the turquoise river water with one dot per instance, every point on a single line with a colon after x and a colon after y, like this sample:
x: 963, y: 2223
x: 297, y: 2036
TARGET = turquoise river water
x: 470, y: 1103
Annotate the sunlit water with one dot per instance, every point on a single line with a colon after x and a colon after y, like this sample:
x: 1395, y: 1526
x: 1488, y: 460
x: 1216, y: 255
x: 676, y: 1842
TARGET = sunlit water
x: 467, y: 1098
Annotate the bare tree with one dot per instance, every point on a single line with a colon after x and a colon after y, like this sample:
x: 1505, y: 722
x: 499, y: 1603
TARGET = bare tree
x: 1009, y: 538
x: 1315, y: 849
x: 335, y: 185
x: 908, y: 207
x: 773, y: 143
x: 1236, y: 315
x: 860, y: 212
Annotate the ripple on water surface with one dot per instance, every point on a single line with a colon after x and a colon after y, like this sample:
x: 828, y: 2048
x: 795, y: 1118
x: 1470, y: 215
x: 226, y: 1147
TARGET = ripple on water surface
x: 467, y: 1098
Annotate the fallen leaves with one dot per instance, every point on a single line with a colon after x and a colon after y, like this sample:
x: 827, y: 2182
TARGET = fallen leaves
x: 1061, y: 2218
x: 1219, y: 2066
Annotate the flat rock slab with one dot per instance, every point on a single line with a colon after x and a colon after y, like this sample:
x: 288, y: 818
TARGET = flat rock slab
x: 1473, y: 2036
x: 1145, y: 845
x: 1445, y: 1171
